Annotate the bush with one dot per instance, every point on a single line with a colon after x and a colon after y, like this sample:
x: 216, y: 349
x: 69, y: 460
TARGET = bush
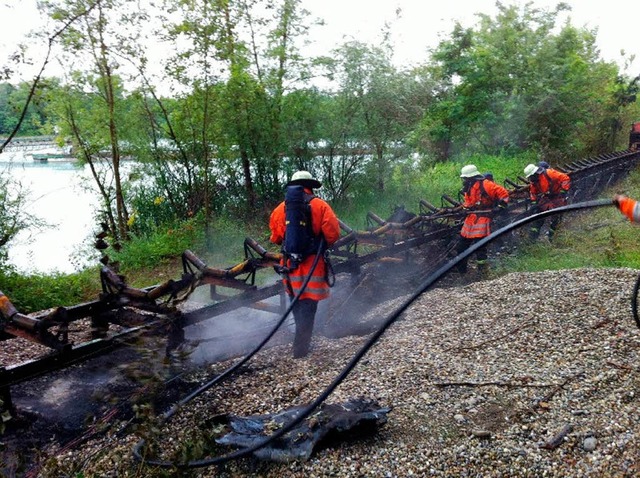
x: 37, y: 292
x: 164, y: 243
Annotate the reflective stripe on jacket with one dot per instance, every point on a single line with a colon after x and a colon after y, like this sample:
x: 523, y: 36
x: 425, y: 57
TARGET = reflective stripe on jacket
x: 483, y: 195
x: 323, y: 222
x: 317, y: 288
x: 630, y: 208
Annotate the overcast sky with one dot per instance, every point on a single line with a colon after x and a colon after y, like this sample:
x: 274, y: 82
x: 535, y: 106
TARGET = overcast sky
x: 421, y: 23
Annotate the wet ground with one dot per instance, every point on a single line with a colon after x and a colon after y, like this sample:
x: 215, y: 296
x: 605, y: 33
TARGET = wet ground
x: 60, y: 410
x: 56, y: 410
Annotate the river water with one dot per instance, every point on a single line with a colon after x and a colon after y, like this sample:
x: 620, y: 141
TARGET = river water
x: 56, y: 196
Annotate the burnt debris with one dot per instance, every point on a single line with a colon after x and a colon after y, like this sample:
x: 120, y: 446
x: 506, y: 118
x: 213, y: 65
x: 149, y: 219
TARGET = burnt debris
x: 330, y: 424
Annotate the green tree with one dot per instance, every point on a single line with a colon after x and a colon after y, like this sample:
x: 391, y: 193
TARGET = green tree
x: 92, y: 50
x: 13, y: 99
x: 250, y: 46
x: 377, y: 104
x: 518, y: 81
x: 8, y: 115
x: 70, y: 20
x: 13, y: 219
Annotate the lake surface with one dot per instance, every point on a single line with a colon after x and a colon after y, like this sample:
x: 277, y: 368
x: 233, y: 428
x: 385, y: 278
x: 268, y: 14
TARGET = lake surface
x: 57, y: 195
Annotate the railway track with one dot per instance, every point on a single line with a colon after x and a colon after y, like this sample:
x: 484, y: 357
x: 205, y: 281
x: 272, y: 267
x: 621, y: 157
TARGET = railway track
x: 413, y: 244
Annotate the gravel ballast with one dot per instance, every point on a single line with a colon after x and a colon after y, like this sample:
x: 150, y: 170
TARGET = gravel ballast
x: 526, y: 375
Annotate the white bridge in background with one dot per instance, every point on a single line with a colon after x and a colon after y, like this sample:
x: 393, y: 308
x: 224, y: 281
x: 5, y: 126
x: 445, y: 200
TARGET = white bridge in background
x: 33, y: 143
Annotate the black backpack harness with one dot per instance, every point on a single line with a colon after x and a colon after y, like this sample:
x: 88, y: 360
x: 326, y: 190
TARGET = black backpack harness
x: 299, y: 240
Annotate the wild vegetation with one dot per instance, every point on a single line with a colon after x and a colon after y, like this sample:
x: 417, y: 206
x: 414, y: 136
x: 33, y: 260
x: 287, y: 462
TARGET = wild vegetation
x: 237, y: 106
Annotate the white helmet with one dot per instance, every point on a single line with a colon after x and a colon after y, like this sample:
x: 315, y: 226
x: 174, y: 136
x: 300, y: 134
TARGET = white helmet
x: 304, y: 178
x: 469, y: 171
x: 531, y: 169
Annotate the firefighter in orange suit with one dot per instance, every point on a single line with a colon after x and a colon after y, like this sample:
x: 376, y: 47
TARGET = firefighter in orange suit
x: 488, y: 199
x: 548, y: 189
x: 324, y: 224
x: 627, y: 206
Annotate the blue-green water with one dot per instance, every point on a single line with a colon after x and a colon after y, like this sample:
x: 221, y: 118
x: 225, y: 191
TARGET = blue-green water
x: 58, y: 196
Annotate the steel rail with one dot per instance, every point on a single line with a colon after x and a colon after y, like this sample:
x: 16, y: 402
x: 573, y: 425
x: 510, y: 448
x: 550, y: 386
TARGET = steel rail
x: 137, y: 450
x: 434, y: 224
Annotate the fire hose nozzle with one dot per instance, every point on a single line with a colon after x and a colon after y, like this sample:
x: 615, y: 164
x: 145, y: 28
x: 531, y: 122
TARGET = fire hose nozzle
x: 282, y: 270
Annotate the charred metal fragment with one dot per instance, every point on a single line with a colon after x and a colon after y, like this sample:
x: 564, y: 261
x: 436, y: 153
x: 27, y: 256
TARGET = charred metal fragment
x: 331, y: 423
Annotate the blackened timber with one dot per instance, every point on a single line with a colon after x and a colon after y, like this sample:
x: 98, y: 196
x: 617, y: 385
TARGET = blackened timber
x: 15, y: 374
x: 251, y: 297
x: 226, y: 276
x: 401, y: 246
x: 514, y: 184
x: 450, y: 200
x: 270, y: 256
x: 244, y: 299
x: 428, y: 206
x: 344, y: 227
x: 375, y: 218
x: 230, y: 283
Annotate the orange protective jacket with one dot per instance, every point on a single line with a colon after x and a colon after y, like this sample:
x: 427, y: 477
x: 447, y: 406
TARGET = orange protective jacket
x: 323, y: 222
x: 630, y: 208
x: 550, y: 189
x: 483, y: 195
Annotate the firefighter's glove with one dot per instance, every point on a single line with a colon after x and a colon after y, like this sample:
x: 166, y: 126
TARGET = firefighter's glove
x: 617, y: 200
x: 501, y: 208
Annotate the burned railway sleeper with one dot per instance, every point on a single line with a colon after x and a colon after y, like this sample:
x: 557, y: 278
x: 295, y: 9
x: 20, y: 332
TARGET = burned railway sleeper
x: 414, y: 244
x: 144, y: 454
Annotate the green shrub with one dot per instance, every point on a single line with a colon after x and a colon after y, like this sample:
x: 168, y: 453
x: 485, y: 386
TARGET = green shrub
x: 164, y: 243
x: 37, y: 292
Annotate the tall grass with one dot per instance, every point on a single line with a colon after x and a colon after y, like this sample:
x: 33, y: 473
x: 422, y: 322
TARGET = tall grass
x: 592, y: 238
x: 37, y: 292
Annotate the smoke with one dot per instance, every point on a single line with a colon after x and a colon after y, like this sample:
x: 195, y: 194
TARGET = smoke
x: 237, y: 332
x: 348, y: 311
x: 234, y: 334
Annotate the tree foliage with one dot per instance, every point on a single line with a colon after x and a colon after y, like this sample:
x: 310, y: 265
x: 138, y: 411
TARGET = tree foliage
x: 13, y: 218
x: 91, y: 102
x: 233, y: 110
x: 520, y: 81
x: 12, y: 100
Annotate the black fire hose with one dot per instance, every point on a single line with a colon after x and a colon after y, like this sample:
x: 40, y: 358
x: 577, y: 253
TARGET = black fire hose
x: 137, y: 448
x: 634, y: 302
x: 429, y: 281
